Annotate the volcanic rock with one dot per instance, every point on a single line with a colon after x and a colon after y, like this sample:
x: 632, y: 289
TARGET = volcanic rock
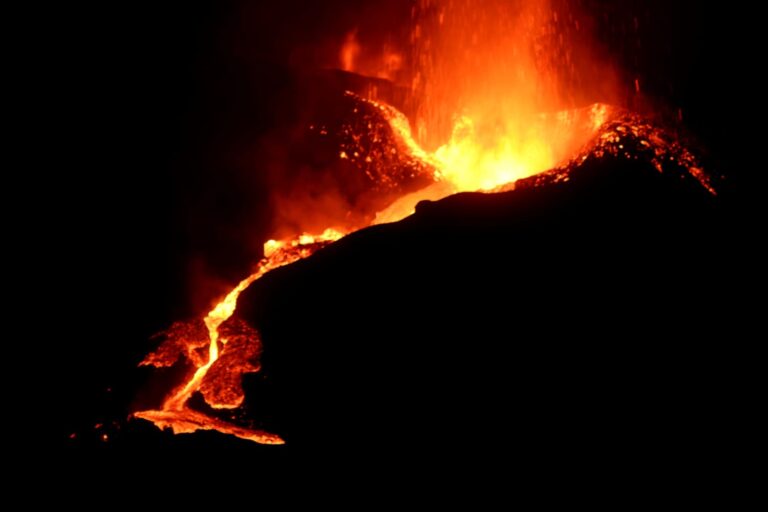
x: 579, y: 311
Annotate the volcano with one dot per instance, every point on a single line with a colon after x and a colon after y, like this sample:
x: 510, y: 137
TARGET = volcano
x: 551, y: 295
x: 464, y: 252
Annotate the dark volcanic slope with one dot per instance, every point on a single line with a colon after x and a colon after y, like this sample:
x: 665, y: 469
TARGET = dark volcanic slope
x: 584, y: 314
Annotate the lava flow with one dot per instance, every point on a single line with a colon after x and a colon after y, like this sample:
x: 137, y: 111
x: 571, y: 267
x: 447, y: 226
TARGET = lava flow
x: 496, y: 84
x: 175, y: 413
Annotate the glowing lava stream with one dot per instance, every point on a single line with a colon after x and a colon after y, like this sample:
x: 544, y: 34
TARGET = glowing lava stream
x: 174, y: 413
x: 213, y: 320
x: 275, y: 256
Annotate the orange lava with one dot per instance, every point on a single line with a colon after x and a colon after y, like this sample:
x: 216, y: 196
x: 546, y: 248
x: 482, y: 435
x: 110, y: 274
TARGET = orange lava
x: 175, y: 412
x: 492, y: 110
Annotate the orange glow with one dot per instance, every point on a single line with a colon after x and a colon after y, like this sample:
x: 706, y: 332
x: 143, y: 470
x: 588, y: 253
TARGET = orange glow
x: 498, y: 99
x: 380, y: 62
x: 487, y: 169
x: 175, y: 413
x: 497, y: 87
x: 498, y: 92
x: 350, y: 50
x: 186, y: 421
x: 208, y: 346
x: 473, y: 161
x: 483, y: 72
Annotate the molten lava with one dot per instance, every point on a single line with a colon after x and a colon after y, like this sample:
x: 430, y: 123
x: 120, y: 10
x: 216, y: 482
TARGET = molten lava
x: 496, y: 105
x: 175, y: 413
